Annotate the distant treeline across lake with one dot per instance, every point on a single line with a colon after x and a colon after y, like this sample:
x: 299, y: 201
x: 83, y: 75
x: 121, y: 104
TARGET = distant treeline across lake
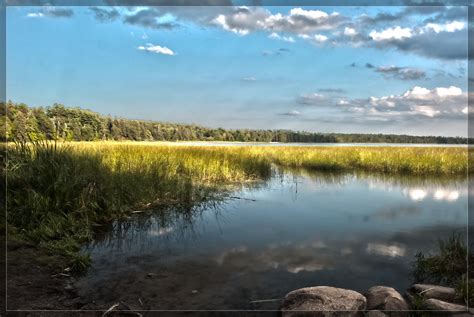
x: 24, y: 123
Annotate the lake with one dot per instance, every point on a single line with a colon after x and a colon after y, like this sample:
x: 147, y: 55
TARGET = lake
x: 298, y: 229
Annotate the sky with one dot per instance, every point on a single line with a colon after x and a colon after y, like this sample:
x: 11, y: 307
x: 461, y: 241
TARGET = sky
x: 339, y: 69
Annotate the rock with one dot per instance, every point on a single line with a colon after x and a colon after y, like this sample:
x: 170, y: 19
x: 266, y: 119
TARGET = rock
x: 375, y: 313
x: 436, y: 304
x: 150, y: 275
x: 386, y: 298
x: 323, y: 301
x: 194, y: 291
x: 434, y: 291
x: 69, y: 287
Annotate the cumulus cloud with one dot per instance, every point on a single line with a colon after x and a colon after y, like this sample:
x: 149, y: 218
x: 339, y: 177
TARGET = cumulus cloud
x: 444, y: 41
x: 336, y: 29
x: 312, y: 99
x: 244, y: 20
x: 447, y: 27
x: 156, y: 49
x: 402, y: 73
x: 441, y: 35
x: 105, y: 15
x: 418, y: 101
x: 276, y: 36
x: 417, y: 104
x: 53, y: 12
x: 316, y: 38
x: 150, y: 18
x: 396, y: 33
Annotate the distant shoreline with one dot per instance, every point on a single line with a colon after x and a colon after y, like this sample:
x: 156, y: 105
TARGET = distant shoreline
x: 24, y: 123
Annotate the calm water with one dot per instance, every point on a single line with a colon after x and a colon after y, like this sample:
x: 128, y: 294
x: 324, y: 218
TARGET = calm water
x: 297, y: 230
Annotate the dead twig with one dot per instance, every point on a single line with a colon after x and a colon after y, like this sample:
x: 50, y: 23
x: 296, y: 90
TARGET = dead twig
x: 110, y: 309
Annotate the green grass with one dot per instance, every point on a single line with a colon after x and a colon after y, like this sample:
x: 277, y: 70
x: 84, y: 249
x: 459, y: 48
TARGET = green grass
x: 448, y: 267
x: 58, y: 192
x: 390, y: 160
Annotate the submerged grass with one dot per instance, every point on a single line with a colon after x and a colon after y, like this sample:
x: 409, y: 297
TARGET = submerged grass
x: 58, y: 192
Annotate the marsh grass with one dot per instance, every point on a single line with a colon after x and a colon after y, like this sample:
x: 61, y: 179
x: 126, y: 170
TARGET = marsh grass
x: 57, y: 192
x: 448, y: 267
x: 390, y: 160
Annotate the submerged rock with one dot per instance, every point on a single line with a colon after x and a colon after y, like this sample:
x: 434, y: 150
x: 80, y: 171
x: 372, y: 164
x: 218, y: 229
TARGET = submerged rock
x: 434, y: 291
x: 323, y: 301
x: 386, y: 299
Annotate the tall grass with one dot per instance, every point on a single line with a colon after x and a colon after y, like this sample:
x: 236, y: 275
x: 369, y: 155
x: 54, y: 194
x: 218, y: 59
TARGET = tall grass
x: 392, y: 160
x: 448, y: 267
x: 56, y: 193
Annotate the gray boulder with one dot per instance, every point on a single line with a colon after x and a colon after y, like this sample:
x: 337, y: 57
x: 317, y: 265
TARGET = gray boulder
x: 434, y: 291
x: 386, y: 299
x: 323, y: 301
x: 445, y: 307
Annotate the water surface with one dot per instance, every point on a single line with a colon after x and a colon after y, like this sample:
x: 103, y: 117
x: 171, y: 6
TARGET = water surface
x: 298, y: 229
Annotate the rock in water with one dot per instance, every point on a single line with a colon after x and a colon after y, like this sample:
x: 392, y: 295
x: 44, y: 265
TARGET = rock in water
x: 434, y: 291
x: 386, y: 299
x: 436, y: 304
x: 323, y: 301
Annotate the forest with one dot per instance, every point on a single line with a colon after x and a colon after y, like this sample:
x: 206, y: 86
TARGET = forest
x: 57, y: 122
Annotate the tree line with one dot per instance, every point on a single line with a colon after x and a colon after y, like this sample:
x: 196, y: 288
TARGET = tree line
x: 20, y: 122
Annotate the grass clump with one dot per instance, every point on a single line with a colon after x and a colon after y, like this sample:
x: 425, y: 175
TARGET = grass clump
x: 448, y: 267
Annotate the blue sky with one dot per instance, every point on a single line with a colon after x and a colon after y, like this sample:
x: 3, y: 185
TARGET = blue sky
x: 322, y: 69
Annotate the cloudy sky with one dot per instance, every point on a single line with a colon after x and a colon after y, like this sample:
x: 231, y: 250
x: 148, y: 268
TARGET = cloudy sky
x: 322, y: 69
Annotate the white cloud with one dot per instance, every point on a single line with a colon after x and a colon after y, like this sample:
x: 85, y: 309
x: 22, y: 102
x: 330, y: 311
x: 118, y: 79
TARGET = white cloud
x: 396, y: 33
x: 447, y: 27
x: 222, y: 21
x: 276, y: 36
x: 317, y: 38
x: 350, y: 31
x: 156, y: 49
x: 52, y: 12
x: 417, y: 101
x: 243, y: 20
x: 320, y: 38
x: 35, y: 15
